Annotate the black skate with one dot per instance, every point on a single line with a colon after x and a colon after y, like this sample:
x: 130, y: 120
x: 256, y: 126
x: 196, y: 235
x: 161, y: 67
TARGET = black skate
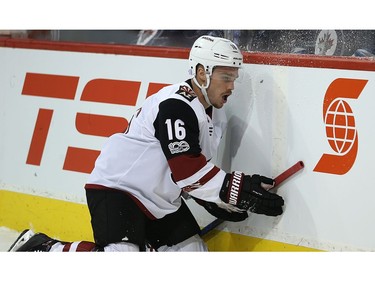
x: 28, y: 241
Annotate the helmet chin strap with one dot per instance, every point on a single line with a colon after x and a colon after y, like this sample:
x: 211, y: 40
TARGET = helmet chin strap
x: 203, y: 88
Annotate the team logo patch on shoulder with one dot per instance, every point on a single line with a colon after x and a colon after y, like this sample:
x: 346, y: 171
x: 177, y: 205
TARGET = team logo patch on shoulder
x: 186, y: 92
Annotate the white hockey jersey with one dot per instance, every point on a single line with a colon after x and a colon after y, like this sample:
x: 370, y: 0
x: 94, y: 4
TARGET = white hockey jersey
x: 165, y: 149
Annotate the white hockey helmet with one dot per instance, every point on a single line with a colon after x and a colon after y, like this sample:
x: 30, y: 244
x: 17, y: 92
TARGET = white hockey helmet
x: 212, y: 51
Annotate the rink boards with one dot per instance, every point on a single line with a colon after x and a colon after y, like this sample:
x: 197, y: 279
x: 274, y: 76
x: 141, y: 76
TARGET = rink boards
x: 60, y: 101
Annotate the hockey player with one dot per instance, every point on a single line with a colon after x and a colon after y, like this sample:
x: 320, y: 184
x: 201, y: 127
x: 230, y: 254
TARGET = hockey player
x: 135, y: 190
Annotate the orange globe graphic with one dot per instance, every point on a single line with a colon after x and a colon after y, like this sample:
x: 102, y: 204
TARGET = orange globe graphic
x: 340, y: 126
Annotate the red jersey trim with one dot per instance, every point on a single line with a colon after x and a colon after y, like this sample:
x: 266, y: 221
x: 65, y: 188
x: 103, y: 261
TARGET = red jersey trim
x: 203, y: 180
x: 207, y: 177
x: 184, y: 166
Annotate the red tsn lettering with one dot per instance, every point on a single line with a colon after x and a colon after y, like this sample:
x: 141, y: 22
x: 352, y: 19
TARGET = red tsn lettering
x: 111, y: 91
x: 51, y: 86
x: 100, y: 125
x: 80, y: 159
x: 119, y: 92
x: 104, y: 91
x: 154, y: 88
x: 38, y: 141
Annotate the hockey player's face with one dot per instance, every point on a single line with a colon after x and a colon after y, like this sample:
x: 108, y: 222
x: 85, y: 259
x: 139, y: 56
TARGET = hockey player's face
x: 221, y: 85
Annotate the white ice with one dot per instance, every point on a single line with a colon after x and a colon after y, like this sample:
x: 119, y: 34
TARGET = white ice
x: 40, y: 267
x: 7, y: 237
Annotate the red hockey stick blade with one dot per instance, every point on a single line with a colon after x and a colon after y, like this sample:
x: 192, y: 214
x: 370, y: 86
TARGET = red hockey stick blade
x: 288, y: 173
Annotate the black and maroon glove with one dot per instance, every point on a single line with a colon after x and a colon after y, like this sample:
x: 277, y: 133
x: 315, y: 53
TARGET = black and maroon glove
x: 251, y: 193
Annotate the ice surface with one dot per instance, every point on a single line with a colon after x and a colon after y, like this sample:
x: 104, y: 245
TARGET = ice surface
x: 40, y: 267
x: 7, y: 237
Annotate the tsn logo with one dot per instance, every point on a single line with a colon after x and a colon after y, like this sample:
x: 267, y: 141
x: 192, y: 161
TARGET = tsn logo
x: 107, y: 91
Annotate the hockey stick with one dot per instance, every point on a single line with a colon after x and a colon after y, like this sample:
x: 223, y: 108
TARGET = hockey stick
x: 288, y: 173
x: 278, y: 180
x: 210, y: 226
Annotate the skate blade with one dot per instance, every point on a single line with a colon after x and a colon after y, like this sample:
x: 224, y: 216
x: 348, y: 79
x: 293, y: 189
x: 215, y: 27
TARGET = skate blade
x: 22, y: 238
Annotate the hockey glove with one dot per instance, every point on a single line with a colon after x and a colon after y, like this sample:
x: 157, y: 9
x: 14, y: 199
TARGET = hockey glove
x: 249, y: 193
x: 221, y: 213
